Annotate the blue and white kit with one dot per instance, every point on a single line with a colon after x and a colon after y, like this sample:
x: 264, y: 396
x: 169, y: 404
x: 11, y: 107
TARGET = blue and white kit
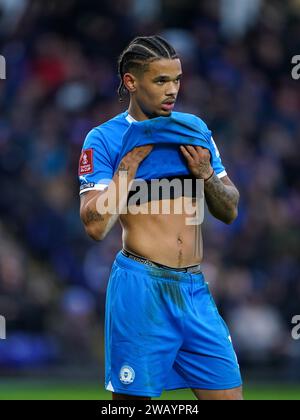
x: 163, y: 331
x: 102, y: 147
x: 162, y: 328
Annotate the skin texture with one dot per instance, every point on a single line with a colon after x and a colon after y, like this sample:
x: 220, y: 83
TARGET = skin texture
x: 165, y: 239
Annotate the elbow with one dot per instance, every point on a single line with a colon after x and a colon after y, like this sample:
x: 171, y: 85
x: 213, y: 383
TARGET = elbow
x: 231, y: 216
x: 94, y: 224
x: 233, y: 211
x: 94, y: 230
x: 95, y: 233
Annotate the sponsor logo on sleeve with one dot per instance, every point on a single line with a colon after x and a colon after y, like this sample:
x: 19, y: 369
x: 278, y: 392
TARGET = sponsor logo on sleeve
x: 86, y: 162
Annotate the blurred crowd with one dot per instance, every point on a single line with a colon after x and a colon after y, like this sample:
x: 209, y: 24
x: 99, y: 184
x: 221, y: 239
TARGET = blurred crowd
x: 61, y: 81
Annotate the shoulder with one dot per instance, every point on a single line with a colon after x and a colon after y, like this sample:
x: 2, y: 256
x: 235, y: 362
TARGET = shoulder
x: 105, y: 140
x: 111, y: 130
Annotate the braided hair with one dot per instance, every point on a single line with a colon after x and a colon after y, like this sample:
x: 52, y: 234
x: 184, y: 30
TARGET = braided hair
x: 139, y: 53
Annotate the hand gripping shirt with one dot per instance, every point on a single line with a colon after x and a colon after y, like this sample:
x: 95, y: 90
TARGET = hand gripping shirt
x: 106, y: 145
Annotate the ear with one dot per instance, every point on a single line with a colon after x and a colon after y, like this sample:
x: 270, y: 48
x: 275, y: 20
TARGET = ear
x: 130, y: 82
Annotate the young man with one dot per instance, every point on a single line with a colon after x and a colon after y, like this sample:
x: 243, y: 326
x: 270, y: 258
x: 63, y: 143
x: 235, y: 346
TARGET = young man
x: 162, y: 328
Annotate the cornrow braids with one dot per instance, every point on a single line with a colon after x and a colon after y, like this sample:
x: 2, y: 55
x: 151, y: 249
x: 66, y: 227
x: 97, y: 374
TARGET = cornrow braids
x: 139, y: 53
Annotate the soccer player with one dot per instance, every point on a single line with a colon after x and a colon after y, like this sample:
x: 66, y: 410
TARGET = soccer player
x: 162, y: 327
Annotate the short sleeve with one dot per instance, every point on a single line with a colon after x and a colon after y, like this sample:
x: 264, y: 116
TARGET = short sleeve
x: 216, y: 160
x: 95, y: 169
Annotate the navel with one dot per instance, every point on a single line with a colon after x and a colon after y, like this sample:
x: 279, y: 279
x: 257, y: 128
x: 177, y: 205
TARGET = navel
x: 179, y: 240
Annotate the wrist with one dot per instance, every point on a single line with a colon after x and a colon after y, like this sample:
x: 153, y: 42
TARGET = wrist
x: 209, y: 177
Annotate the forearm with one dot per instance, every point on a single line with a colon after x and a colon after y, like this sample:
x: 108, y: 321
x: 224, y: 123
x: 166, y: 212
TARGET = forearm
x: 222, y: 200
x: 103, y: 209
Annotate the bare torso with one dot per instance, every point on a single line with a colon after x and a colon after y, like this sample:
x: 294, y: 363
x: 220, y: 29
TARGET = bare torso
x: 163, y: 238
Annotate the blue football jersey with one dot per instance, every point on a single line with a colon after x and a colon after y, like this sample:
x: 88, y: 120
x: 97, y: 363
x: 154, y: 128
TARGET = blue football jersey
x: 101, y: 150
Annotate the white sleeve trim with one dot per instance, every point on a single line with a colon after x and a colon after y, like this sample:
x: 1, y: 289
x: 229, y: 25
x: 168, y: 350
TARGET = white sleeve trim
x: 222, y: 174
x: 96, y: 187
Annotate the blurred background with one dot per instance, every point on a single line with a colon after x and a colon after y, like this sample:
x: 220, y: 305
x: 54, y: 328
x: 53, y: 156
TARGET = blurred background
x: 61, y: 59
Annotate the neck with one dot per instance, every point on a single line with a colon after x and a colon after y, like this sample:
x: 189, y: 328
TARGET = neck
x: 136, y: 112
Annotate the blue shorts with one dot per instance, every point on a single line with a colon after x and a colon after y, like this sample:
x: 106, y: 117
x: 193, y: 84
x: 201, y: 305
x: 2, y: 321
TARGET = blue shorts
x: 163, y: 332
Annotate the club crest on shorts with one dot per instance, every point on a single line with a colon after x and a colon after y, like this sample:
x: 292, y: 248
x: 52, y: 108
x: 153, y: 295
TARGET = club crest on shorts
x: 126, y: 375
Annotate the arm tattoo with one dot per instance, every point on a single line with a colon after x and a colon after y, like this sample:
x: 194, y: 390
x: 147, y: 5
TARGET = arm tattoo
x: 92, y: 216
x: 222, y: 200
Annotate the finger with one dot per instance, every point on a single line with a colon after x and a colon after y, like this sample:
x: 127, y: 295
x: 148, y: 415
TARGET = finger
x: 187, y: 151
x: 202, y: 150
x: 192, y: 151
x: 186, y: 154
